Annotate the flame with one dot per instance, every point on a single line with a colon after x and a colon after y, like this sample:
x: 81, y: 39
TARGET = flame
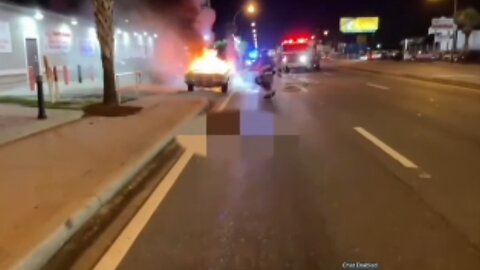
x: 209, y: 63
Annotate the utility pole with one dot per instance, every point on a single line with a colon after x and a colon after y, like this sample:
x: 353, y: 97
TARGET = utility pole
x: 455, y: 30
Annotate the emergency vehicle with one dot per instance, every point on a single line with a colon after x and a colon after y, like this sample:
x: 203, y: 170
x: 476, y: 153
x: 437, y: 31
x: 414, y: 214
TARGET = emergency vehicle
x: 299, y: 52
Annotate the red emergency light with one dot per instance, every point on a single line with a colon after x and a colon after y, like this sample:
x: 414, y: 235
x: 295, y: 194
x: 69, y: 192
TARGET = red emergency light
x: 301, y: 40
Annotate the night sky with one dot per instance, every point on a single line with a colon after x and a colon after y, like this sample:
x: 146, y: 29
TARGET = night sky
x: 398, y: 18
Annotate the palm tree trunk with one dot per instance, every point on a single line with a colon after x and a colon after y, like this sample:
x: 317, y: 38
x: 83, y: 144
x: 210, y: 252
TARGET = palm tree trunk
x: 104, y: 23
x: 467, y: 39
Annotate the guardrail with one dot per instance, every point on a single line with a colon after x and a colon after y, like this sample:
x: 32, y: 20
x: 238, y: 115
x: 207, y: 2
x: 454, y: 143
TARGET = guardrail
x: 138, y: 80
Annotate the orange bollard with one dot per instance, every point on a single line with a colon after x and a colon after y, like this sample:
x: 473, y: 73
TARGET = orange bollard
x: 31, y: 78
x: 65, y: 75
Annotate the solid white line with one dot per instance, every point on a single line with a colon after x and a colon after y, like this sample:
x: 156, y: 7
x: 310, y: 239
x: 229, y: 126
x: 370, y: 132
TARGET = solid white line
x: 112, y: 258
x: 378, y: 86
x: 225, y: 102
x: 387, y: 149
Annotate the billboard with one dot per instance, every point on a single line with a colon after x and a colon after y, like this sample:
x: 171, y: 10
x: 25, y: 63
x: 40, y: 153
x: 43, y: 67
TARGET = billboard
x: 359, y: 25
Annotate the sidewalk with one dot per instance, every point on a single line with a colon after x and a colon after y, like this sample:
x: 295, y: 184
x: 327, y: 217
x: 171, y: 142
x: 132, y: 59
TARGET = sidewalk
x: 72, y: 89
x: 17, y: 121
x: 446, y: 73
x: 54, y: 181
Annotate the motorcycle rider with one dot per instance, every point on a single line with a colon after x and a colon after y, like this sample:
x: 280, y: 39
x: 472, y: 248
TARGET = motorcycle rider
x: 265, y: 67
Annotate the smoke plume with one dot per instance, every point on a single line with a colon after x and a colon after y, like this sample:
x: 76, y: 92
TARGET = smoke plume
x: 181, y: 26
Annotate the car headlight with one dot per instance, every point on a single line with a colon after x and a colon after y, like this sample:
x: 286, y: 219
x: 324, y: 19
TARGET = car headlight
x: 303, y: 59
x: 284, y: 59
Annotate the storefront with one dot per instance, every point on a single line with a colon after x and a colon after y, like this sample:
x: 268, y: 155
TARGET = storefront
x: 27, y: 35
x: 443, y: 30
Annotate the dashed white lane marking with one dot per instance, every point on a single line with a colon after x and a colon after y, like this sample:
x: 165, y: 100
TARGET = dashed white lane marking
x: 378, y: 86
x: 115, y: 254
x: 224, y: 104
x: 385, y: 148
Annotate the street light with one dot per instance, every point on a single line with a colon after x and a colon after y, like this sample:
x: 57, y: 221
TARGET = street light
x: 325, y: 33
x: 253, y: 24
x: 250, y: 9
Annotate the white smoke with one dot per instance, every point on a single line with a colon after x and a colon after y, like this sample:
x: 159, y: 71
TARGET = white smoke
x: 174, y: 52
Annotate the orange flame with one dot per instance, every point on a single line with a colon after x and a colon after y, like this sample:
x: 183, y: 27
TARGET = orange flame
x: 209, y: 63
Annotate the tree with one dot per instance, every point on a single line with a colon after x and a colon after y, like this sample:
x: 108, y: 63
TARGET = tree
x: 105, y: 32
x: 467, y: 19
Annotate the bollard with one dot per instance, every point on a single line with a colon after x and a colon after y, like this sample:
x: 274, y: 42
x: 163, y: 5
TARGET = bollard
x: 65, y: 75
x: 31, y: 78
x: 51, y: 88
x: 79, y: 70
x: 55, y: 79
x: 40, y: 100
x: 92, y: 73
x: 55, y: 74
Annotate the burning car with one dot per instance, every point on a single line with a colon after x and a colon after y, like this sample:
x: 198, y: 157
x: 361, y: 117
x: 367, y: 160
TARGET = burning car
x: 209, y: 71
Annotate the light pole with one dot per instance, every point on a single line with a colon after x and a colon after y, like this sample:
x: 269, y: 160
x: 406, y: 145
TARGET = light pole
x: 454, y: 45
x: 250, y: 9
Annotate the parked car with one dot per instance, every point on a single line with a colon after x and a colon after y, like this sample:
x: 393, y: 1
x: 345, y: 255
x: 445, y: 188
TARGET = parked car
x: 426, y: 56
x: 447, y: 56
x: 470, y: 57
x: 392, y: 55
x: 407, y: 56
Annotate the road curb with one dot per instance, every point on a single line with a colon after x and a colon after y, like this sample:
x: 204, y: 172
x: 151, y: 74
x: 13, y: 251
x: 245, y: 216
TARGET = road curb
x: 44, y: 251
x: 473, y: 86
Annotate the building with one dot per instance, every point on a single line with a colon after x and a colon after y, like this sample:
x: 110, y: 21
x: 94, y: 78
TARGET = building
x: 443, y: 30
x: 27, y: 35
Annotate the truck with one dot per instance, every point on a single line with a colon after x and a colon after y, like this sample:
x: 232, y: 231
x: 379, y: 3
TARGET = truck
x: 299, y: 52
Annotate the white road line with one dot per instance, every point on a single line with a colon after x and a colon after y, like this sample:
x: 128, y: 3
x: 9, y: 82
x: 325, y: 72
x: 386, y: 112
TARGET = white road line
x: 303, y: 89
x: 225, y: 102
x: 115, y: 254
x: 387, y: 149
x: 378, y: 86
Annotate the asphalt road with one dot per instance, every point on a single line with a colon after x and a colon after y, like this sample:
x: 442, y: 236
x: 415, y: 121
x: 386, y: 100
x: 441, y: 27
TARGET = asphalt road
x: 340, y: 167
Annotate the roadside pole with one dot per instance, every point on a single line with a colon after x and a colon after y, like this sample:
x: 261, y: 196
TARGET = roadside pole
x: 455, y: 30
x: 40, y: 99
x: 50, y: 79
x: 56, y: 90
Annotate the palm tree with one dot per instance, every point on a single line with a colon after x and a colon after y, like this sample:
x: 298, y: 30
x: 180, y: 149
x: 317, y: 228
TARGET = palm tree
x: 467, y: 19
x: 104, y: 23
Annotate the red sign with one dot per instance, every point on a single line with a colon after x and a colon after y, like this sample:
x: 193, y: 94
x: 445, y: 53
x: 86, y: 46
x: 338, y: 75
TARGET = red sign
x: 59, y: 41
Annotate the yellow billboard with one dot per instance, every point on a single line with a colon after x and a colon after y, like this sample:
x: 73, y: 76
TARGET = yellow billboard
x: 359, y: 25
